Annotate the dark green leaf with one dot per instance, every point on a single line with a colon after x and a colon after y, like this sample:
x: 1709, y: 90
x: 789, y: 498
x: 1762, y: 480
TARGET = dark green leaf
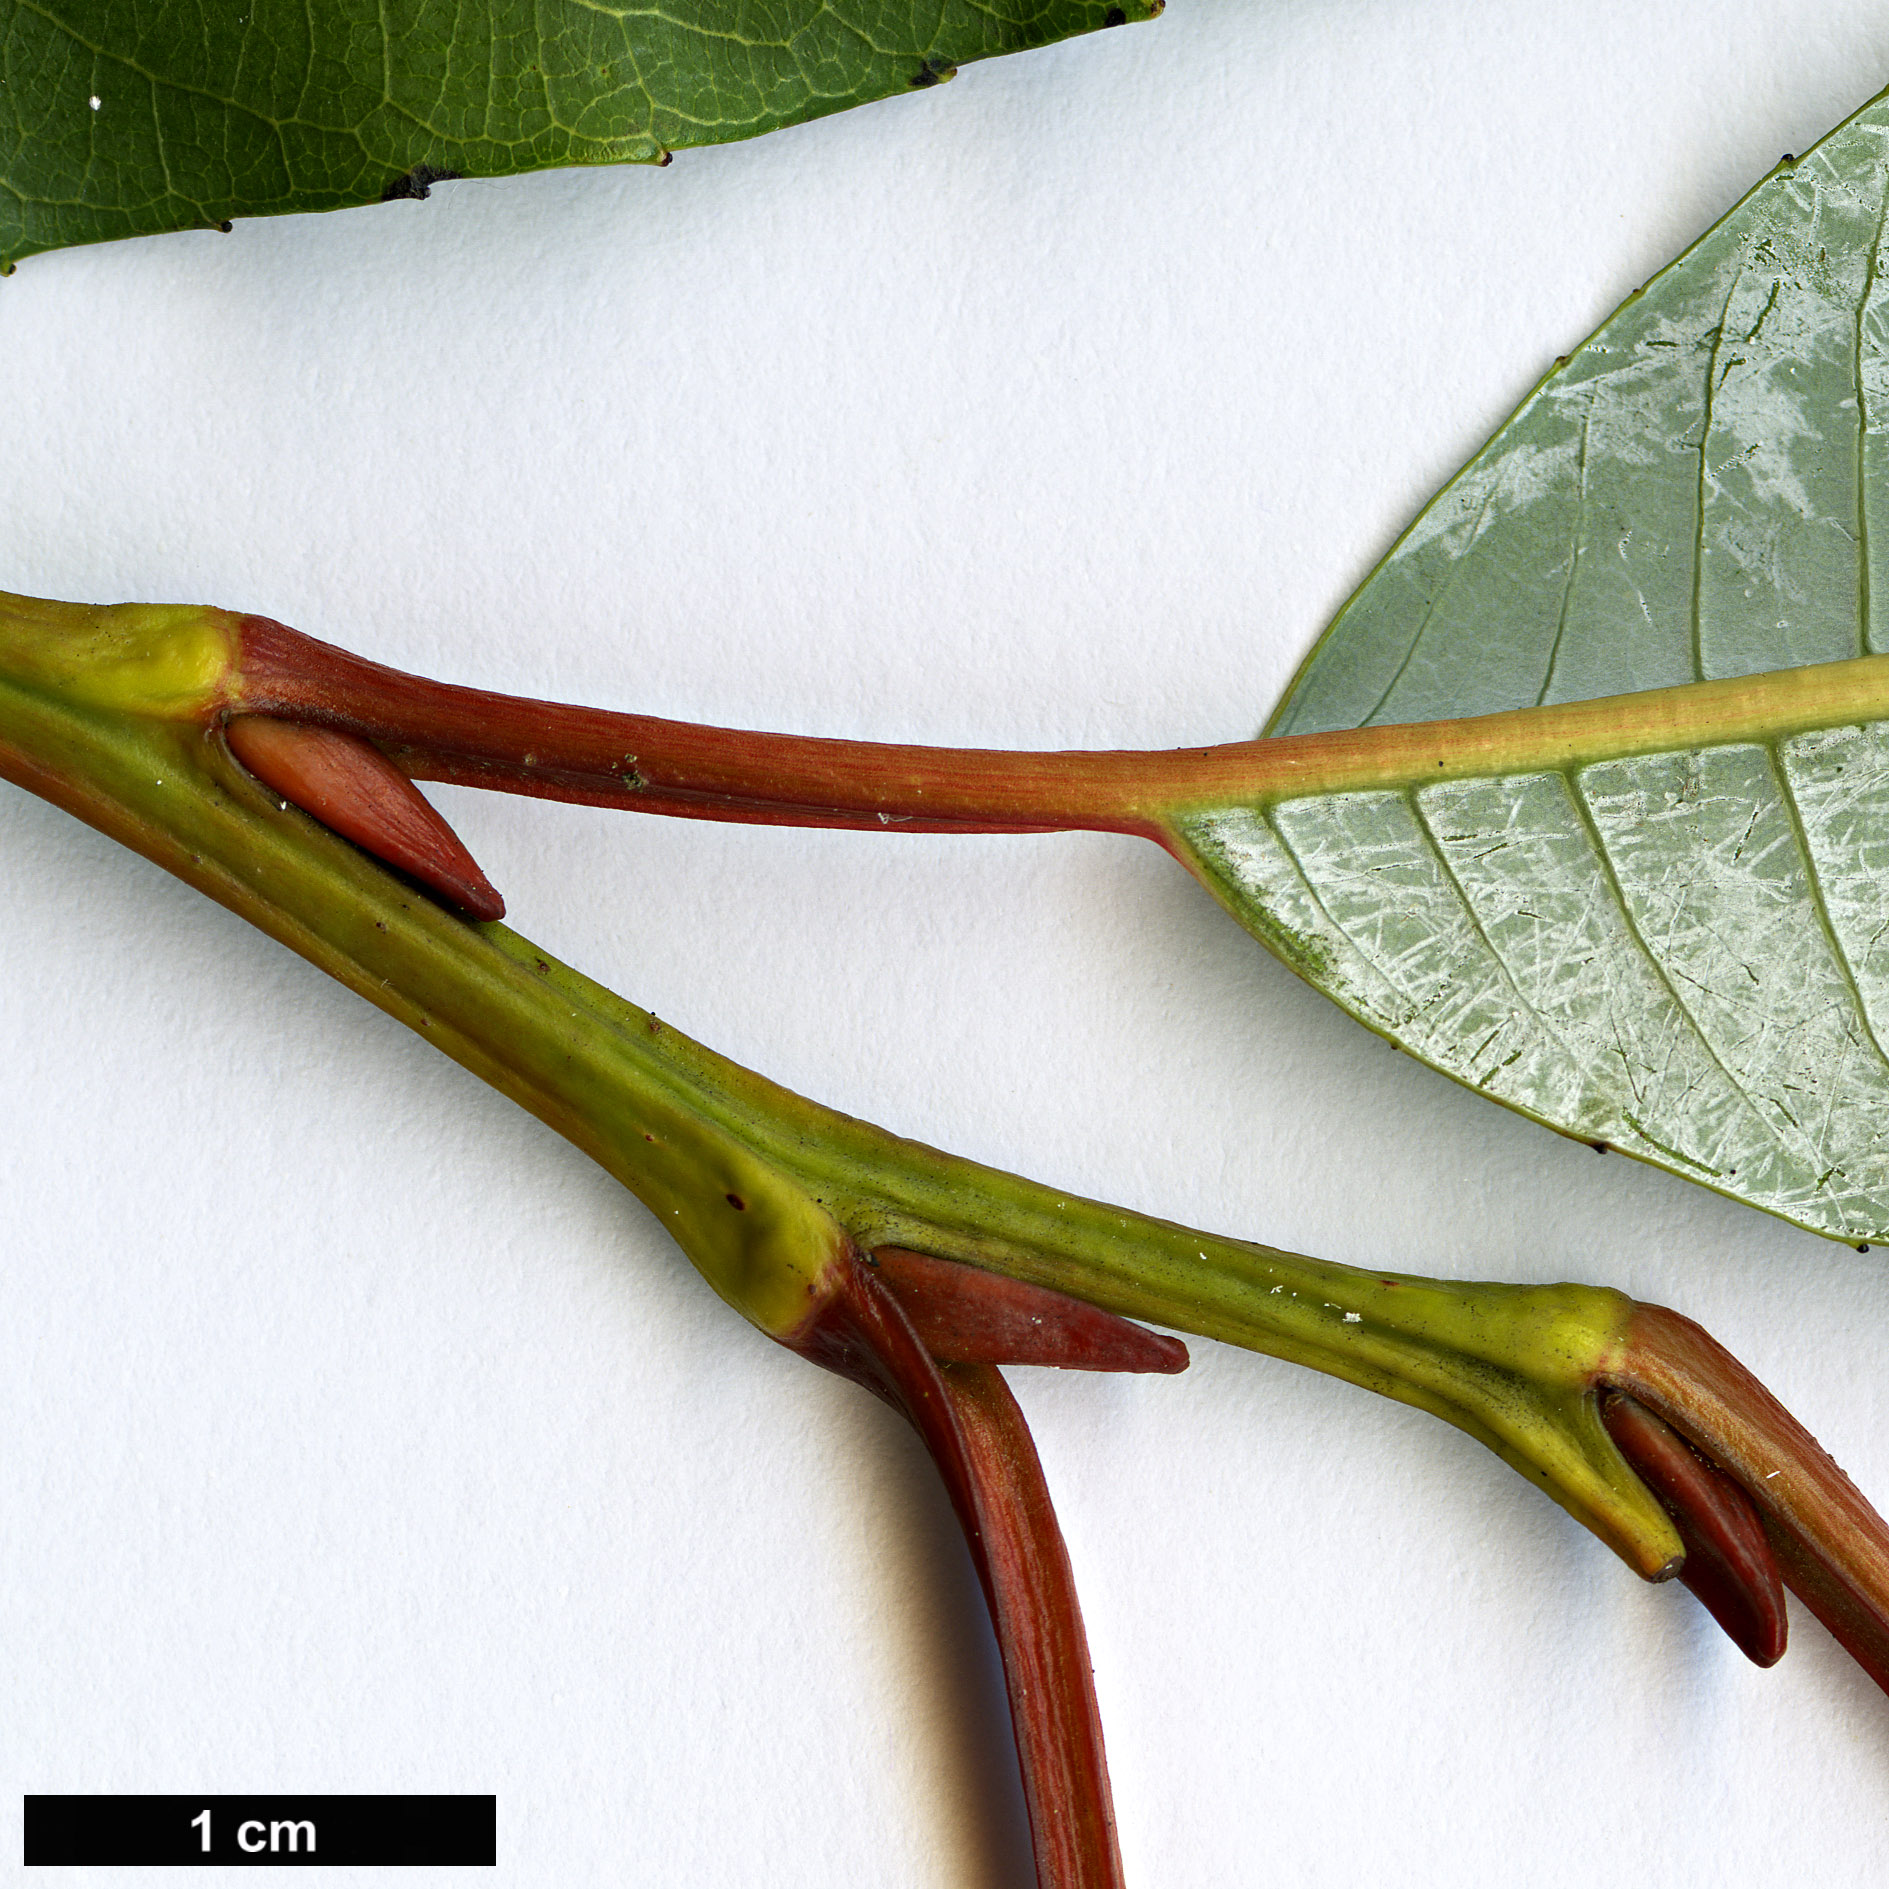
x: 119, y: 120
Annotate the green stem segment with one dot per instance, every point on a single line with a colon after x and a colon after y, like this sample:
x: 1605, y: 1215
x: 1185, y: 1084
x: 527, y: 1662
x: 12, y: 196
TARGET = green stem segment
x: 117, y: 715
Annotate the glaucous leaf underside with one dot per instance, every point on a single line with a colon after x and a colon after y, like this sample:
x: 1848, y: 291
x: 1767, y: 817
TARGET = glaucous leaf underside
x: 117, y: 120
x: 1683, y: 955
x: 1698, y: 491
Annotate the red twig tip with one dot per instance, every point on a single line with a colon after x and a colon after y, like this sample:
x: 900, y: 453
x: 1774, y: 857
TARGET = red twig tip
x: 1831, y: 1546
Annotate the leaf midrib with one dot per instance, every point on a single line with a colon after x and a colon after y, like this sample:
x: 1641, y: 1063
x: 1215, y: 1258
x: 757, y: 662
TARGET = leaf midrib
x: 1761, y: 709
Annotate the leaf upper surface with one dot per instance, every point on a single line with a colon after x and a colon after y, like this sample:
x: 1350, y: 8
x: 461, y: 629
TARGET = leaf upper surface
x: 1682, y: 954
x: 123, y: 120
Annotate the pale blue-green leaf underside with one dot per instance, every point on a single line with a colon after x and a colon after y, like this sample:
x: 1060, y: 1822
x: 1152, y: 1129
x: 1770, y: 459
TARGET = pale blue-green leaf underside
x: 1683, y: 956
x: 1698, y: 491
x: 1686, y: 955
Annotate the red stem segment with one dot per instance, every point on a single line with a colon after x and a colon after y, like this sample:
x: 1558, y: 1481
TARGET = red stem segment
x: 976, y: 1435
x: 1032, y: 1593
x: 437, y: 731
x: 922, y: 1333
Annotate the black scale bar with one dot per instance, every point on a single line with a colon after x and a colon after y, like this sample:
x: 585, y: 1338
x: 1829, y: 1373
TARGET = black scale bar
x: 262, y: 1832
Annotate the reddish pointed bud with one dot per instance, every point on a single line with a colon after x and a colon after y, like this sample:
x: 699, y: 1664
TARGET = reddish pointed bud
x: 966, y: 1316
x: 1729, y: 1564
x: 350, y: 786
x: 977, y: 1437
x: 1831, y: 1546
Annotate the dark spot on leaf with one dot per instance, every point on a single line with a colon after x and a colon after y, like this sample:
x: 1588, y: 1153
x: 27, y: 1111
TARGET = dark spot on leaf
x: 417, y: 184
x: 934, y: 72
x: 1115, y: 17
x: 224, y: 227
x: 1862, y: 1246
x: 736, y: 1202
x: 1599, y: 1147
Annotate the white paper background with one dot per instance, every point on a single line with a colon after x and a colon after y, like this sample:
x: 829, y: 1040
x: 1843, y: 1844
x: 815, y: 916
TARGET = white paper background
x: 363, y: 1437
